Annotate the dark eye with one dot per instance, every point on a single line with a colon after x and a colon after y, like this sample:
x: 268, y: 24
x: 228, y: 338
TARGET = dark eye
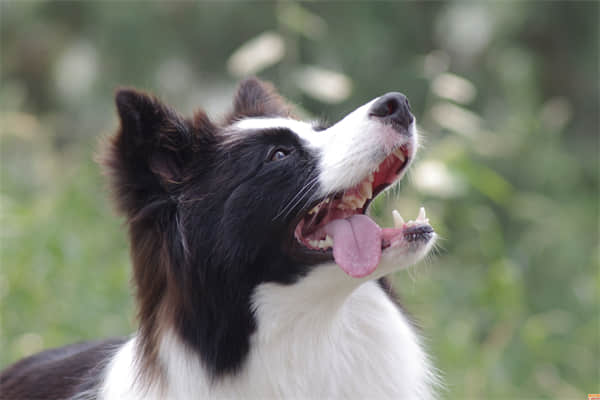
x: 279, y: 154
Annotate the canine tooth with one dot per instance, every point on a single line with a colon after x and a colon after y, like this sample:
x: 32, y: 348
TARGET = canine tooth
x: 371, y: 177
x: 398, y: 220
x: 314, y: 243
x: 421, y: 216
x: 366, y: 190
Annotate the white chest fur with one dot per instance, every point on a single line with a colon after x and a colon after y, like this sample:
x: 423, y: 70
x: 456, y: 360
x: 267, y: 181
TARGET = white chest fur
x: 314, y: 341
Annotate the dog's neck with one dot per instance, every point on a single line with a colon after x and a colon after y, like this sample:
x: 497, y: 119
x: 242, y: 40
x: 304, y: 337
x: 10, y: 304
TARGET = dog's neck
x: 320, y: 296
x: 313, y: 339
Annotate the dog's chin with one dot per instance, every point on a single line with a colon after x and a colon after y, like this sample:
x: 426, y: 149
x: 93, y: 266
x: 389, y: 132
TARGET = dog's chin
x: 393, y: 259
x: 403, y: 256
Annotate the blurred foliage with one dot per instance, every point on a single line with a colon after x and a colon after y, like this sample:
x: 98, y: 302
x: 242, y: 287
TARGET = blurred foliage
x: 506, y: 94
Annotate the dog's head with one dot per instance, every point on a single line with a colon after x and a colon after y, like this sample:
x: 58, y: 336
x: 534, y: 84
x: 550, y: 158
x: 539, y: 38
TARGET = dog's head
x: 214, y: 209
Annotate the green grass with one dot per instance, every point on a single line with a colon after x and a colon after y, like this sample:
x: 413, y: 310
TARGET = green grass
x: 65, y: 264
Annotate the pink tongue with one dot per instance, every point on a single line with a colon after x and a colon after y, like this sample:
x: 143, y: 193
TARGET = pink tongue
x: 356, y: 244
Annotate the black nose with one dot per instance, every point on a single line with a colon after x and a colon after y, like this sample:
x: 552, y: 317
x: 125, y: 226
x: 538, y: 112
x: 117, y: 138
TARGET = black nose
x: 394, y: 107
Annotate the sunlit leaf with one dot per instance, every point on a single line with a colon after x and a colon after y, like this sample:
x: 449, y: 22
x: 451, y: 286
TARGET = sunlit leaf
x: 258, y: 53
x: 323, y: 84
x: 454, y: 87
x: 300, y: 20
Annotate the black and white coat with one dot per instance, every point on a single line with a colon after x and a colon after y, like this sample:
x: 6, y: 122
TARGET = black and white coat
x: 231, y: 304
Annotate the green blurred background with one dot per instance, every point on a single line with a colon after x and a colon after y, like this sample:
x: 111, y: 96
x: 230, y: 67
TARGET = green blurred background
x: 506, y: 94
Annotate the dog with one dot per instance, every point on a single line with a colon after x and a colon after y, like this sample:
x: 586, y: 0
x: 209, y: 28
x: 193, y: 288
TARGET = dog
x: 257, y: 272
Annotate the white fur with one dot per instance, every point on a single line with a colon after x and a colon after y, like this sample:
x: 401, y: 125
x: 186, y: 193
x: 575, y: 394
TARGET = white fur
x: 348, y: 150
x: 326, y: 336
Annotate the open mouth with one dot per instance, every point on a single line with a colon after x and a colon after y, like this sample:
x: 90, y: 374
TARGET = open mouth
x: 337, y: 225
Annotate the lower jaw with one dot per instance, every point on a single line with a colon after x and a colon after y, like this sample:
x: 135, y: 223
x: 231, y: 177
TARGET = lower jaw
x: 412, y: 236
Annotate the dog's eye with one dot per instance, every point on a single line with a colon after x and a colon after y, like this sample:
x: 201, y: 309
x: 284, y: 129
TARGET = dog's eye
x: 278, y: 154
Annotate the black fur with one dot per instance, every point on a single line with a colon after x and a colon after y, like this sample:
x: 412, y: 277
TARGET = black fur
x: 58, y: 373
x: 186, y: 187
x: 204, y: 206
x: 231, y: 250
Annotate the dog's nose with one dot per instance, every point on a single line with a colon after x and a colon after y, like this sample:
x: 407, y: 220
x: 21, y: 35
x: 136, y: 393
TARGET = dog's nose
x: 394, y: 107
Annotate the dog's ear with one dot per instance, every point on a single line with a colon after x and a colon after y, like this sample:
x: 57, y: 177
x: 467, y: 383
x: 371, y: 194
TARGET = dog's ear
x: 146, y: 159
x: 256, y: 98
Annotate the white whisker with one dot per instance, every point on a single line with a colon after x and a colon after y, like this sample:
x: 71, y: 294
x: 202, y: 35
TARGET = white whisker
x: 302, y: 193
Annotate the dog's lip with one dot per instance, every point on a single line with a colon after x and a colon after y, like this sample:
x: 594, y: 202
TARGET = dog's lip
x: 307, y: 255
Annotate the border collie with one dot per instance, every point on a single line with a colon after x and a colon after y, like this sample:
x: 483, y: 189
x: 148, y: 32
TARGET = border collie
x: 258, y: 273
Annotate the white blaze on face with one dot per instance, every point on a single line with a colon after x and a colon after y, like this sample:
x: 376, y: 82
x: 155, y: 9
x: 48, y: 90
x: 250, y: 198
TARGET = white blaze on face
x: 349, y: 150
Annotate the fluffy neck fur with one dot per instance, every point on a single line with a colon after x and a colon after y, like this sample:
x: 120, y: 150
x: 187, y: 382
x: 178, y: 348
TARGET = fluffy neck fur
x: 313, y: 340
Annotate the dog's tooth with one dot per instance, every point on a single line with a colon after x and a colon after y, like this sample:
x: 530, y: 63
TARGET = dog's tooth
x: 371, y: 177
x: 351, y: 201
x: 362, y: 188
x: 421, y: 216
x: 400, y: 154
x: 314, y: 243
x: 360, y: 202
x: 356, y: 200
x: 344, y: 203
x: 366, y: 190
x: 327, y: 242
x: 398, y: 220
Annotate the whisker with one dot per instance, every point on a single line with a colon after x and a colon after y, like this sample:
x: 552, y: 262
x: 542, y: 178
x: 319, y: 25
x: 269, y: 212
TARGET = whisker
x: 293, y: 202
x: 307, y: 191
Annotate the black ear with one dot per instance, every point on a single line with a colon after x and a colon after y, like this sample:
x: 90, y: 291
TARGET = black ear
x: 146, y: 159
x: 147, y: 123
x: 139, y: 113
x: 256, y: 98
